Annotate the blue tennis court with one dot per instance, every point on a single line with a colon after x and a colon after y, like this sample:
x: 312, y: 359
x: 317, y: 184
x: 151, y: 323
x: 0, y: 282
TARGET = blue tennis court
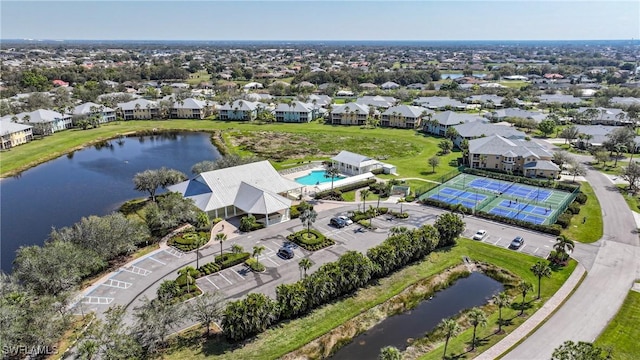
x: 515, y: 190
x: 514, y: 214
x: 453, y: 196
x: 538, y: 210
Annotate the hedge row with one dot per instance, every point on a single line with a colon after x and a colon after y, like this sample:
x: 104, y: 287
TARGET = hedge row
x: 446, y: 206
x: 500, y: 175
x: 295, y: 210
x: 231, y: 259
x: 322, y: 241
x: 345, y: 188
x: 208, y: 268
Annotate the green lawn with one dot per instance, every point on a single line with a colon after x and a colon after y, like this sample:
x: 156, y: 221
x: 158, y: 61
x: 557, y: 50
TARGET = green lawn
x: 632, y: 200
x: 407, y: 149
x: 291, y: 335
x: 198, y: 77
x: 514, y: 84
x: 609, y: 168
x: 623, y: 332
x: 591, y: 230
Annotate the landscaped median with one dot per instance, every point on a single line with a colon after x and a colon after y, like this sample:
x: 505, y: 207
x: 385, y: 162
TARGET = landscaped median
x: 311, y: 239
x: 291, y: 335
x: 623, y: 332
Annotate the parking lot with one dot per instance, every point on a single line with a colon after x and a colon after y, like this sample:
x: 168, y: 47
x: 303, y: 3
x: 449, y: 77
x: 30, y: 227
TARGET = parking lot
x: 534, y: 244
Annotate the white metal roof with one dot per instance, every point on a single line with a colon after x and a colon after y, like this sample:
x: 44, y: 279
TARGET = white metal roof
x: 254, y: 200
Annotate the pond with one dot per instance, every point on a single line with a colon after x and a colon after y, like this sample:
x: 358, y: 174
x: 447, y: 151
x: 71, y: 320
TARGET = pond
x: 475, y: 290
x: 92, y: 181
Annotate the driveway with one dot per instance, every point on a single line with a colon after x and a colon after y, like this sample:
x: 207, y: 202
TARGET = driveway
x: 610, y: 276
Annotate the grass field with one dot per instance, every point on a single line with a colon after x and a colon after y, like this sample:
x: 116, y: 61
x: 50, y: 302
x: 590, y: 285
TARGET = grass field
x: 291, y: 335
x: 198, y: 77
x: 591, y: 230
x: 407, y: 149
x: 632, y: 200
x: 623, y: 332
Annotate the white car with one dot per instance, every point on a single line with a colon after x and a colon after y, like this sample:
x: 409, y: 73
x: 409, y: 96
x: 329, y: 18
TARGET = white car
x: 480, y: 234
x: 346, y: 220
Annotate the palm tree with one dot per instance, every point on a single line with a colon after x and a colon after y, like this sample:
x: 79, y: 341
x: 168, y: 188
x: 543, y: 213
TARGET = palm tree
x: 308, y: 217
x: 187, y: 271
x: 541, y: 269
x: 477, y: 318
x: 236, y: 249
x: 364, y: 193
x: 563, y: 244
x: 524, y: 287
x: 221, y: 237
x: 305, y: 264
x: 501, y: 300
x: 332, y: 172
x: 397, y: 230
x: 88, y: 349
x: 257, y: 251
x: 390, y: 353
x: 450, y: 328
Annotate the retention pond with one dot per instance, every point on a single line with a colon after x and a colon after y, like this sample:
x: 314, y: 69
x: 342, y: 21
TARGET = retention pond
x: 465, y: 293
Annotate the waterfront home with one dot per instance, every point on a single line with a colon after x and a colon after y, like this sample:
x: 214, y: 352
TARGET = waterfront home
x: 45, y: 122
x: 296, y: 112
x: 255, y: 188
x: 89, y: 109
x: 242, y: 110
x: 519, y: 156
x: 13, y: 134
x: 139, y: 109
x: 191, y: 109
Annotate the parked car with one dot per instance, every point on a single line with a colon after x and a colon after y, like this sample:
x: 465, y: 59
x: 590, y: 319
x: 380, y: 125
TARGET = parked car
x: 337, y: 222
x: 516, y: 243
x: 346, y: 220
x: 286, y: 252
x: 480, y: 234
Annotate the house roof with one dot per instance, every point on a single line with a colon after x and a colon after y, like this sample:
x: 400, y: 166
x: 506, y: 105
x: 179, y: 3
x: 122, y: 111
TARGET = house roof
x: 321, y: 100
x: 345, y: 108
x: 389, y: 85
x: 357, y: 160
x: 518, y: 113
x: 240, y: 105
x: 219, y: 188
x: 477, y: 129
x: 454, y: 118
x: 407, y: 111
x: 9, y: 127
x: 541, y: 165
x: 559, y: 98
x: 605, y: 114
x: 190, y: 103
x: 378, y: 101
x: 438, y: 102
x: 296, y: 106
x: 42, y: 116
x: 498, y: 145
x: 84, y: 109
x: 485, y: 98
x: 254, y: 200
x: 131, y: 105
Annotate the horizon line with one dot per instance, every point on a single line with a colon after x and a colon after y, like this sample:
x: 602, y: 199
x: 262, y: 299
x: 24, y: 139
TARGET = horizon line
x: 301, y: 40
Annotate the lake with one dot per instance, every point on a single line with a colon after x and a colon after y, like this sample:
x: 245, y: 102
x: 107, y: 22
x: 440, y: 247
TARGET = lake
x: 465, y: 293
x: 92, y: 181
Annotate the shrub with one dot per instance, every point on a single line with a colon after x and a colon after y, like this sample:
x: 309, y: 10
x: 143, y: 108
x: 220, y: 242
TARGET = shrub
x: 366, y: 224
x: 318, y: 241
x: 409, y: 198
x: 574, y: 208
x: 564, y: 220
x: 383, y: 210
x: 208, y: 268
x: 228, y: 260
x: 254, y: 265
x: 446, y: 206
x: 248, y: 223
x: 581, y: 198
x: 346, y: 188
x: 189, y: 241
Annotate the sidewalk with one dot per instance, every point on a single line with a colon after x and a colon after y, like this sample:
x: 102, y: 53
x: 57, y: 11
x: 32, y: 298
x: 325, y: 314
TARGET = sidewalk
x: 536, y: 319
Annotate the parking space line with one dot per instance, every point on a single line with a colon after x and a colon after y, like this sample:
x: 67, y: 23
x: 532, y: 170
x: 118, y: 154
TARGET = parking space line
x: 174, y: 252
x: 220, y: 273
x: 238, y: 275
x: 268, y: 258
x: 117, y: 284
x: 212, y: 283
x: 523, y: 246
x: 276, y: 243
x: 97, y: 300
x: 536, y: 250
x: 156, y: 260
x: 496, y: 243
x: 136, y: 270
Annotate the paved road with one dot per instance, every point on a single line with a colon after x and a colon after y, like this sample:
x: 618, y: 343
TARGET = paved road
x: 610, y: 276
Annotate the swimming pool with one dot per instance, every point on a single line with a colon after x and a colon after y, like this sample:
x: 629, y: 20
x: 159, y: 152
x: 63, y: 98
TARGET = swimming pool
x: 316, y: 177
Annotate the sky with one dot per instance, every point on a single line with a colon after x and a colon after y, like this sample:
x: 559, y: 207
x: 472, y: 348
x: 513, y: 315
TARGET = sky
x: 320, y: 20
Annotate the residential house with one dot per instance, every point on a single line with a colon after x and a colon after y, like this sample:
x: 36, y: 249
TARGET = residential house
x: 440, y: 103
x: 597, y: 135
x: 191, y: 109
x: 404, y: 116
x: 239, y: 110
x: 502, y: 114
x: 604, y: 116
x: 45, y: 122
x: 377, y: 101
x: 320, y: 100
x: 417, y: 86
x: 89, y: 109
x: 296, y: 112
x: 343, y: 93
x: 139, y: 109
x: 349, y: 114
x: 519, y: 156
x: 258, y: 97
x: 488, y: 100
x: 354, y: 164
x: 255, y: 188
x: 625, y: 101
x: 252, y: 86
x: 13, y: 134
x: 476, y: 129
x: 559, y: 99
x: 440, y: 122
x: 389, y: 85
